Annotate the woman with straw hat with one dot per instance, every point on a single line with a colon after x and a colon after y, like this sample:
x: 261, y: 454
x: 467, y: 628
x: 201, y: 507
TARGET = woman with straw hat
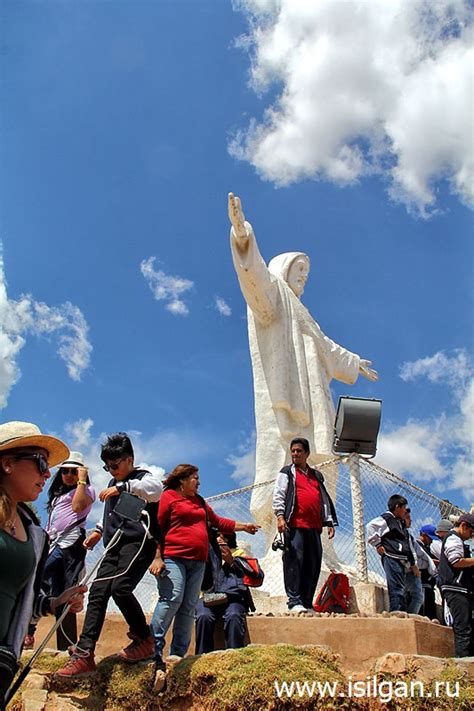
x: 26, y: 456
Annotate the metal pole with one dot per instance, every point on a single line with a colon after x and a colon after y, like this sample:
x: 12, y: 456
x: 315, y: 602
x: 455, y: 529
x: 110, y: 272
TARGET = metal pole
x: 358, y: 518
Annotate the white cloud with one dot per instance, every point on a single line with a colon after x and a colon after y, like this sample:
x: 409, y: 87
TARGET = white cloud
x: 244, y: 462
x: 363, y: 87
x: 27, y: 316
x: 440, y: 368
x: 440, y: 448
x: 222, y: 306
x: 166, y: 288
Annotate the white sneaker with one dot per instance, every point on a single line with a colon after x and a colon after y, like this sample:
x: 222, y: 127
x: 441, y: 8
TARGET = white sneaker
x: 298, y: 608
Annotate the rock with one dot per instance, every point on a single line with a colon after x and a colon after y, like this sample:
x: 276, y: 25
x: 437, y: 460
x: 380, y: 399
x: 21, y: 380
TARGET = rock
x: 391, y: 663
x: 34, y: 680
x: 34, y: 700
x: 427, y: 668
x: 467, y: 666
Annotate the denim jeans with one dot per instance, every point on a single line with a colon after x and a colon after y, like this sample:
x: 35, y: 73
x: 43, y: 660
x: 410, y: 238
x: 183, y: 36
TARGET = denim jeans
x: 179, y: 592
x: 395, y: 572
x: 414, y: 593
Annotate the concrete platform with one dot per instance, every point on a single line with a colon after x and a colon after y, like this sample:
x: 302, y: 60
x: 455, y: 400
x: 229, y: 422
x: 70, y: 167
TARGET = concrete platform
x: 358, y: 640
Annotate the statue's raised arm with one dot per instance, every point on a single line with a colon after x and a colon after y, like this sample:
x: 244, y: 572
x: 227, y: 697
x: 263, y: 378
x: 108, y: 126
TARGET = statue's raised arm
x: 256, y: 283
x: 237, y: 218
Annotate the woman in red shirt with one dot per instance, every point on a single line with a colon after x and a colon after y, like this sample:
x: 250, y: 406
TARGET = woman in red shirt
x: 181, y: 557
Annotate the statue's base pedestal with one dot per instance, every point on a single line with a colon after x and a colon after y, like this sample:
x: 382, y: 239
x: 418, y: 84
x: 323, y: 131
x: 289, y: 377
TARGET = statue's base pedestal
x: 358, y: 640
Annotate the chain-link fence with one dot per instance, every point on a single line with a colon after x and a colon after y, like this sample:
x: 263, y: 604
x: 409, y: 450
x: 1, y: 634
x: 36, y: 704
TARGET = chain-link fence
x: 360, y: 489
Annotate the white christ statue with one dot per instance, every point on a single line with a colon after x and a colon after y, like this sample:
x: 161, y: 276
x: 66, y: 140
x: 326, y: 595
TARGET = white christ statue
x: 293, y: 361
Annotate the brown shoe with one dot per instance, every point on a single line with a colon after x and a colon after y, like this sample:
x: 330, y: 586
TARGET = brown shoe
x: 78, y: 666
x: 139, y: 649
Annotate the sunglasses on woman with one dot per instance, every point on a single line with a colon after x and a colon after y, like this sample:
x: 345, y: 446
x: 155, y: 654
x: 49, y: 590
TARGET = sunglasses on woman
x: 40, y: 459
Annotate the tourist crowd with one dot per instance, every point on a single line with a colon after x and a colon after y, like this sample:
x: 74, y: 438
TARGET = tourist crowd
x: 189, y: 548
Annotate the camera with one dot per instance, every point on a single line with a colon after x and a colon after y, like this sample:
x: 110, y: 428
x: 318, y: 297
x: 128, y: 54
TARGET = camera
x: 279, y: 543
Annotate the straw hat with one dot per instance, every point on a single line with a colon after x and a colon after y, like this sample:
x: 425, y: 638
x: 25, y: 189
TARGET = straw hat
x: 26, y: 434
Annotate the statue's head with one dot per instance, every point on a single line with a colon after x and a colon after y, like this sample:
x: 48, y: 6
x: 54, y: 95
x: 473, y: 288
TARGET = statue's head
x: 292, y: 267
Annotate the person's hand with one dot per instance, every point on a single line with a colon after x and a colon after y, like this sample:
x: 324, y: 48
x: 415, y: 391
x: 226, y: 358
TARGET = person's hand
x: 415, y: 570
x: 82, y: 474
x: 92, y: 540
x: 157, y: 567
x: 73, y: 596
x: 226, y: 554
x: 331, y: 532
x: 380, y: 550
x: 281, y: 524
x: 251, y: 528
x: 367, y: 372
x: 107, y: 493
x: 237, y: 219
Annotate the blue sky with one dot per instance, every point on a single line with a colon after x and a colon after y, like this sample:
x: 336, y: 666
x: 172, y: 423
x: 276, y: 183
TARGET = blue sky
x: 345, y: 129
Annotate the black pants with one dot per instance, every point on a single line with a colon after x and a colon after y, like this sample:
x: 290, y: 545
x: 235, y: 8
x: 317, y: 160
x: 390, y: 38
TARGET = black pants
x: 120, y: 589
x: 460, y: 606
x: 428, y: 609
x: 233, y: 615
x: 302, y: 565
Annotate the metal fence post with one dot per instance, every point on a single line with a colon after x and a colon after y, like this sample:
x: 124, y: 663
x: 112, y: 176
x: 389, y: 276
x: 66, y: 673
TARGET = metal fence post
x: 358, y: 518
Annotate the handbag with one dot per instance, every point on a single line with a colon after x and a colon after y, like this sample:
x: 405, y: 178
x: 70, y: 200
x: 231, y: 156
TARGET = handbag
x: 214, y: 598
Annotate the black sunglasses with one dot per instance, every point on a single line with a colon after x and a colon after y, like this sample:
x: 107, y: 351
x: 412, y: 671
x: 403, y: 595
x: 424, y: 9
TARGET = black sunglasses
x: 40, y: 459
x: 114, y: 466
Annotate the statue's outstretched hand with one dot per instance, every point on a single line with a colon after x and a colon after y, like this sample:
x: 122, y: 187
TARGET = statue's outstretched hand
x: 367, y: 372
x: 237, y: 219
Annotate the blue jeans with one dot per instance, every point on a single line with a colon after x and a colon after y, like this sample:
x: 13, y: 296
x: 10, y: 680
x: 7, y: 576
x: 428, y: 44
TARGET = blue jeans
x: 395, y: 572
x: 179, y: 592
x: 414, y: 592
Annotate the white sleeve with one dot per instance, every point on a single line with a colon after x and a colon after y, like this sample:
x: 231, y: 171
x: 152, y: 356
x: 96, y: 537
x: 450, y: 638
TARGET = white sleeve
x: 454, y: 549
x: 279, y: 494
x: 375, y: 530
x: 149, y: 487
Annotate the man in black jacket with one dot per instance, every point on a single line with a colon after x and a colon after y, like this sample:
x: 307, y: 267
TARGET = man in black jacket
x: 389, y: 536
x: 456, y: 577
x: 125, y: 564
x: 303, y: 507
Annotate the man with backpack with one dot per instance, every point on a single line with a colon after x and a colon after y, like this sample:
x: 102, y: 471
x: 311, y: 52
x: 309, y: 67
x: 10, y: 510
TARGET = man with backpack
x: 456, y: 577
x: 125, y: 563
x: 389, y: 536
x: 302, y: 507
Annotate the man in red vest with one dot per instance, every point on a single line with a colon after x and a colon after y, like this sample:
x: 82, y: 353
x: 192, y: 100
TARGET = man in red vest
x: 303, y: 507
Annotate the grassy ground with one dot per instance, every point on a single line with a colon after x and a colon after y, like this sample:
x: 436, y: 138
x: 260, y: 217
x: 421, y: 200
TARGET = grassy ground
x: 239, y: 680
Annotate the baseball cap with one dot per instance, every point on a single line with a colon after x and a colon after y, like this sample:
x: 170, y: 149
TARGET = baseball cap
x: 429, y: 529
x: 467, y: 518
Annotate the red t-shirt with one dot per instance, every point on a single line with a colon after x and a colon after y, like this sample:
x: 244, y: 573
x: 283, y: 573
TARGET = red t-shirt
x: 182, y: 520
x: 307, y: 511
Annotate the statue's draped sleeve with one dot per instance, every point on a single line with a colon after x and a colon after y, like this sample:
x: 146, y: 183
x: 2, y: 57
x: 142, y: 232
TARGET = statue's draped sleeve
x: 257, y: 284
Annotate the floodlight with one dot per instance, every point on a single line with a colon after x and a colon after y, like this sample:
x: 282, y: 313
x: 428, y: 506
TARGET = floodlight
x: 357, y: 426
